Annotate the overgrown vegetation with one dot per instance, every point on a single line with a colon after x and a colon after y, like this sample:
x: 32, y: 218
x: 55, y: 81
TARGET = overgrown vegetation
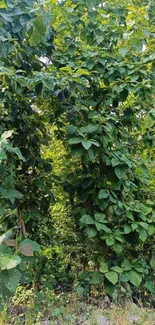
x: 77, y: 147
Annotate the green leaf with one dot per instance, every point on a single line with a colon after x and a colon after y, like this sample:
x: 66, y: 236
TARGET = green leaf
x: 9, y: 261
x: 150, y: 286
x: 95, y: 143
x: 124, y: 278
x: 120, y: 171
x: 134, y: 226
x: 6, y: 71
x: 103, y: 204
x: 74, y: 140
x: 123, y: 51
x: 112, y: 277
x: 103, y: 194
x: 35, y: 246
x: 87, y: 219
x: 11, y: 278
x: 110, y: 241
x: 127, y: 229
x: 91, y: 231
x: 117, y: 269
x: 35, y: 38
x: 96, y: 278
x: 115, y: 162
x: 118, y: 248
x: 82, y: 71
x: 3, y: 4
x: 18, y: 153
x: 103, y: 267
x: 142, y: 234
x: 126, y: 266
x: 99, y: 226
x: 90, y: 4
x: 86, y: 144
x: 12, y: 195
x: 135, y: 278
x: 106, y: 229
x: 2, y: 154
x: 4, y: 296
x: 67, y: 69
x: 151, y: 230
x: 100, y: 217
x: 79, y: 291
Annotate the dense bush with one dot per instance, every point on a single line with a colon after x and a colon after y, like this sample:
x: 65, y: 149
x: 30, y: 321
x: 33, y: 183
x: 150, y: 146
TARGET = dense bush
x: 78, y: 77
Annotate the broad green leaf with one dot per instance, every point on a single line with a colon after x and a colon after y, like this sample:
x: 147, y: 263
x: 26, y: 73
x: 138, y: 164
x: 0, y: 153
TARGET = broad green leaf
x: 67, y: 69
x: 103, y: 194
x: 124, y: 278
x: 35, y: 38
x: 150, y: 286
x: 100, y: 217
x: 103, y: 267
x: 106, y: 229
x: 9, y: 261
x: 99, y: 226
x: 135, y: 278
x: 6, y: 71
x: 103, y: 204
x: 127, y: 229
x: 86, y: 144
x: 123, y: 51
x: 2, y: 154
x: 134, y: 226
x: 96, y: 278
x: 118, y: 248
x: 3, y: 4
x: 11, y: 278
x: 115, y: 162
x: 151, y: 230
x: 112, y: 277
x: 18, y: 153
x: 126, y: 266
x: 4, y: 296
x: 75, y: 140
x: 35, y: 246
x: 143, y: 224
x: 117, y: 269
x: 93, y: 128
x: 120, y: 171
x: 79, y: 291
x: 82, y: 71
x: 91, y: 231
x: 90, y: 4
x: 95, y: 143
x: 87, y: 219
x: 110, y: 241
x: 142, y: 234
x: 12, y: 195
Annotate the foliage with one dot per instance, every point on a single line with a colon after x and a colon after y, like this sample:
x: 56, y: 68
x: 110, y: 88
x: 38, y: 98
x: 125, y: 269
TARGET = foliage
x: 25, y: 184
x: 89, y: 79
x: 106, y: 52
